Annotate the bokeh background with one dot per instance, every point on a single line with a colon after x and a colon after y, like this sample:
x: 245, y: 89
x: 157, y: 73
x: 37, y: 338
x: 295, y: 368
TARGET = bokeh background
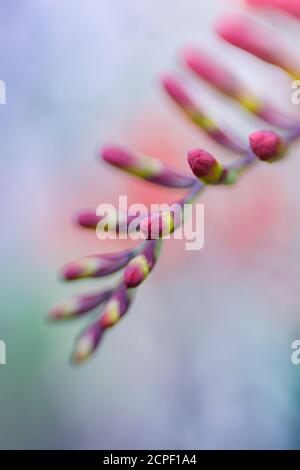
x: 203, y: 359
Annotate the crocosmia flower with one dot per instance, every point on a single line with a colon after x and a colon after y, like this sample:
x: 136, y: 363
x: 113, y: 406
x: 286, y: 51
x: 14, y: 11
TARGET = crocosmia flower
x: 203, y: 170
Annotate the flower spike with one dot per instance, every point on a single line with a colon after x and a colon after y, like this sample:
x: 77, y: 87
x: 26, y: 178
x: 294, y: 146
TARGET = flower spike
x: 137, y: 262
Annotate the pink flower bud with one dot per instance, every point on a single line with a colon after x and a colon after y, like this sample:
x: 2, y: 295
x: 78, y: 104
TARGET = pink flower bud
x: 251, y: 37
x: 116, y: 307
x: 177, y: 92
x: 206, y: 68
x: 139, y: 267
x: 87, y: 342
x: 158, y: 225
x: 220, y: 78
x: 150, y: 169
x: 117, y: 157
x: 97, y: 265
x: 119, y: 224
x: 136, y: 271
x: 205, y: 166
x: 78, y: 305
x: 290, y: 6
x: 87, y: 218
x: 266, y: 145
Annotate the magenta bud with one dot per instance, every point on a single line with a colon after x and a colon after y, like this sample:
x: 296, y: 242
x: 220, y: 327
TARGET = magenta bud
x: 96, y: 266
x: 136, y: 271
x: 249, y: 36
x: 141, y: 265
x: 87, y: 219
x: 87, y: 342
x: 177, y: 92
x: 205, y: 166
x: 117, y: 156
x: 92, y: 266
x: 116, y: 307
x: 290, y: 6
x: 145, y: 167
x: 79, y: 305
x: 266, y: 145
x: 206, y: 68
x: 158, y: 225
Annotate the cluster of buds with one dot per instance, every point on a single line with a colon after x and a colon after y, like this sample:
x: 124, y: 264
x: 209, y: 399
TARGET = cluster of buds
x: 267, y: 145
